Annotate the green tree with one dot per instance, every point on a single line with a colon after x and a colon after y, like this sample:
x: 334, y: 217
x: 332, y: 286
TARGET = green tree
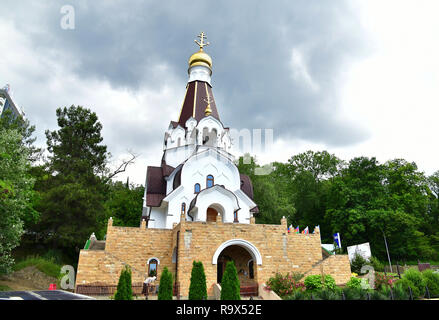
x: 165, y: 285
x: 230, y: 286
x: 72, y: 192
x: 16, y: 193
x: 124, y: 289
x: 197, y: 288
x: 124, y: 203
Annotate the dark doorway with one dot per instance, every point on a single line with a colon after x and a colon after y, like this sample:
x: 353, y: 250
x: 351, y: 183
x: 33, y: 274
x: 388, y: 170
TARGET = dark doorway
x: 211, y: 215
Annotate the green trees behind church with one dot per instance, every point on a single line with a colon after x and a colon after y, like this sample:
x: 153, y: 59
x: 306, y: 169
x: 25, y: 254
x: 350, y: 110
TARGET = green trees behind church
x: 77, y: 195
x: 362, y: 199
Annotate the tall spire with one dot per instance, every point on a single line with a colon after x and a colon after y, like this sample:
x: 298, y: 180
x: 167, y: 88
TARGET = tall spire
x: 198, y: 101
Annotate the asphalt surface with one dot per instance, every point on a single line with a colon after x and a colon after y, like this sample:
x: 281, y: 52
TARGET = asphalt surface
x: 42, y: 295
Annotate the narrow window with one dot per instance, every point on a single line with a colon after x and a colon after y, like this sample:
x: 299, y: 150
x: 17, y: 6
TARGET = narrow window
x: 197, y: 188
x: 152, y: 268
x: 235, y: 216
x: 209, y: 181
x: 183, y: 208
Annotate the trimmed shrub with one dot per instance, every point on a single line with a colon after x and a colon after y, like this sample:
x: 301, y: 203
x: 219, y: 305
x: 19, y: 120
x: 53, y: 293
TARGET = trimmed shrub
x: 230, y: 286
x: 198, y: 288
x: 165, y: 285
x: 432, y: 281
x: 124, y: 289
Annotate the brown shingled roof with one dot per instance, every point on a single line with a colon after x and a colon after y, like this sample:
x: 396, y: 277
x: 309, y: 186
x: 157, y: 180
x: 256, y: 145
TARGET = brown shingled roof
x: 194, y: 104
x: 246, y: 185
x: 156, y: 186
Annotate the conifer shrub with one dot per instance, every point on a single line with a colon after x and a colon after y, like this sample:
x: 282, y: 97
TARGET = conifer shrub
x: 124, y: 289
x: 431, y: 281
x: 230, y: 286
x: 198, y: 288
x: 414, y: 276
x: 165, y: 285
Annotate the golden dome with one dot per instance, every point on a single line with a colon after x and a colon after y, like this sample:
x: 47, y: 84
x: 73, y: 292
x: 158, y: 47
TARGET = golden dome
x: 200, y: 58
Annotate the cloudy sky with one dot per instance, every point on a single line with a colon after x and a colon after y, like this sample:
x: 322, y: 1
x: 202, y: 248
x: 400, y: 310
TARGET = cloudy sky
x: 356, y: 78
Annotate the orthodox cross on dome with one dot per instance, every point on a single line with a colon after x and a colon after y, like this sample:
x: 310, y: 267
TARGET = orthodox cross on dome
x: 201, y: 43
x: 208, y: 100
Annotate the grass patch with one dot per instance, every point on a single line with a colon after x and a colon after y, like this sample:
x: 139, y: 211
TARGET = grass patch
x: 46, y: 266
x: 5, y: 288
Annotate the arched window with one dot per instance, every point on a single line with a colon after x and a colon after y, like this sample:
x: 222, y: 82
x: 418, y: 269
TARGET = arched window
x: 197, y: 188
x: 152, y: 270
x: 209, y: 181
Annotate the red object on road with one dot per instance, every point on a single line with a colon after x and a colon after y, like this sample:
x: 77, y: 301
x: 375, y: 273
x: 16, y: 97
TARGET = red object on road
x: 52, y: 286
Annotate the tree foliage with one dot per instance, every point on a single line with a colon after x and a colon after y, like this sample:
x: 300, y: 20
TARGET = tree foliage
x: 197, y: 288
x: 16, y: 193
x: 165, y: 285
x: 124, y: 289
x: 230, y: 286
x: 364, y: 200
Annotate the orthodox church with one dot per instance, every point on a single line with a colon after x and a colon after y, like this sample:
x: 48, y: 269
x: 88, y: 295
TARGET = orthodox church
x: 198, y: 207
x: 197, y: 176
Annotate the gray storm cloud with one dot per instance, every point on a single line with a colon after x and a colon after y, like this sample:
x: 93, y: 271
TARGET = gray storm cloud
x: 275, y: 64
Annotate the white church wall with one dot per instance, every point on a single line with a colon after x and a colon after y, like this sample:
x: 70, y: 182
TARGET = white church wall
x: 157, y: 218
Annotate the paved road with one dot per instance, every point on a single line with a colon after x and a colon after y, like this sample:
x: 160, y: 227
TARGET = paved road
x: 43, y: 295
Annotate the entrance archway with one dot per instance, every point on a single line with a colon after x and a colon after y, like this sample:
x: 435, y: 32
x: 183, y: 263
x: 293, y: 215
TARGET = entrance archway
x: 245, y: 257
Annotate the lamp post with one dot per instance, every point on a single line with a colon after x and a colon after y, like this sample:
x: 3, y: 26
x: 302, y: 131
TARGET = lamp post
x: 387, y: 249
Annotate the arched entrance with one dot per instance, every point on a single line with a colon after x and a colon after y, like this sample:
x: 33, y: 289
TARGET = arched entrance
x: 213, y: 211
x: 245, y: 257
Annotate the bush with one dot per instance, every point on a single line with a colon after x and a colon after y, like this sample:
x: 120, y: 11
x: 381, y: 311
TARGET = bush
x: 285, y: 285
x: 354, y: 282
x: 326, y: 294
x: 318, y: 282
x: 357, y: 263
x: 354, y: 293
x: 124, y: 290
x: 415, y: 277
x: 404, y: 284
x: 230, y: 286
x: 432, y: 281
x: 197, y: 288
x: 399, y: 293
x: 376, y: 264
x: 382, y: 280
x: 165, y: 285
